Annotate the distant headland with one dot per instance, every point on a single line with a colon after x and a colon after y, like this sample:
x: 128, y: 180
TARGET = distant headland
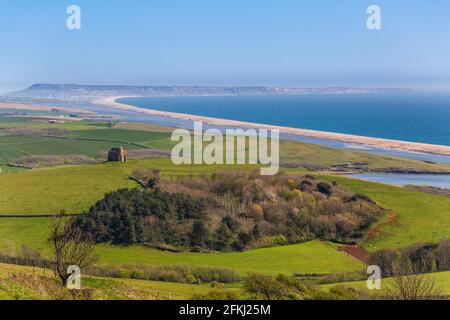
x: 75, y: 92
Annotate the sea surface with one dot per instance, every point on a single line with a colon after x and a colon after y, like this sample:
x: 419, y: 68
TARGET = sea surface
x: 416, y: 117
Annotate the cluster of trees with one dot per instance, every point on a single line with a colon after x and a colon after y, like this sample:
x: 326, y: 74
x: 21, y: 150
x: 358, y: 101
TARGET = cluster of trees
x: 280, y: 209
x: 228, y: 211
x: 415, y: 259
x: 133, y: 216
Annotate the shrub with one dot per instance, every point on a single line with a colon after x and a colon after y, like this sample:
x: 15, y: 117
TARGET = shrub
x: 262, y: 286
x: 267, y: 242
x: 191, y: 279
x: 216, y: 295
x: 324, y: 188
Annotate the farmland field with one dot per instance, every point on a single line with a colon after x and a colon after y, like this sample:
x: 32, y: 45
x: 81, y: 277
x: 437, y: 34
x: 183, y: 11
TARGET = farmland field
x: 16, y: 147
x: 7, y: 153
x: 124, y: 135
x: 4, y: 170
x: 158, y: 137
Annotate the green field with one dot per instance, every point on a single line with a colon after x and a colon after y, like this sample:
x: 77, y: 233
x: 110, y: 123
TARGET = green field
x: 159, y: 138
x: 8, y: 153
x: 291, y: 151
x: 442, y: 280
x: 178, y: 291
x: 310, y: 257
x: 155, y: 140
x: 4, y: 170
x: 418, y: 216
x: 160, y: 290
x: 413, y: 216
x: 16, y: 147
x: 85, y: 138
x: 75, y: 189
x: 124, y: 135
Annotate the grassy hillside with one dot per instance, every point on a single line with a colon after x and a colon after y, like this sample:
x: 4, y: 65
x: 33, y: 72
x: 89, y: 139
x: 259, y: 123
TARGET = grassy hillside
x: 415, y: 216
x: 310, y: 257
x: 442, y: 280
x: 291, y: 151
x: 26, y: 283
x: 75, y: 189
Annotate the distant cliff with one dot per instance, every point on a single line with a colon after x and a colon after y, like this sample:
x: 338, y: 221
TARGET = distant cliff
x: 83, y: 92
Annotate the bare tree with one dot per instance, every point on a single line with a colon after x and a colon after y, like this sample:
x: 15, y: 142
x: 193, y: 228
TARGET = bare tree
x: 71, y: 247
x: 408, y: 286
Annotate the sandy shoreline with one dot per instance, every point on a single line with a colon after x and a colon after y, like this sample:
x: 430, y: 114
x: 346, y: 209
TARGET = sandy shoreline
x: 347, y: 138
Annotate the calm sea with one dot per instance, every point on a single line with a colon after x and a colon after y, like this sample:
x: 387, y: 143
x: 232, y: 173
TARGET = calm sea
x: 418, y: 117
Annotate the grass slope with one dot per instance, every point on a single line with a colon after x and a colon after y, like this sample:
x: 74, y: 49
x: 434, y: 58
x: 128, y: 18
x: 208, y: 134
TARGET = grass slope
x: 442, y: 280
x: 74, y: 189
x: 416, y: 216
x: 105, y: 288
x: 310, y: 257
x: 291, y: 151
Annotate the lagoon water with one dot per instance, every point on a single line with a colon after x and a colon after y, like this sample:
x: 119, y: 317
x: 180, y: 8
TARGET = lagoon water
x: 416, y: 117
x: 434, y: 180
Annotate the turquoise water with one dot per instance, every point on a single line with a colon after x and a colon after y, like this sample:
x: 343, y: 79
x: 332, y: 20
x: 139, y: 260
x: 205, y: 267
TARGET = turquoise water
x: 416, y: 117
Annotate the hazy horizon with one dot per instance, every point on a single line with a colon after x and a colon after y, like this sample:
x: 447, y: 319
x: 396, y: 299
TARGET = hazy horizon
x: 276, y: 43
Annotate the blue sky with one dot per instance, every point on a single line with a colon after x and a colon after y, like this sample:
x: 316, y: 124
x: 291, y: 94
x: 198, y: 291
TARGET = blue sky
x: 232, y: 42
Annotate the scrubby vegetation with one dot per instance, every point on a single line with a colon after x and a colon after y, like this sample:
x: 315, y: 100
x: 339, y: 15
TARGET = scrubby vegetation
x: 430, y: 190
x: 29, y: 131
x: 31, y: 162
x: 414, y: 259
x: 229, y: 211
x: 259, y: 286
x: 169, y: 273
x: 25, y: 286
